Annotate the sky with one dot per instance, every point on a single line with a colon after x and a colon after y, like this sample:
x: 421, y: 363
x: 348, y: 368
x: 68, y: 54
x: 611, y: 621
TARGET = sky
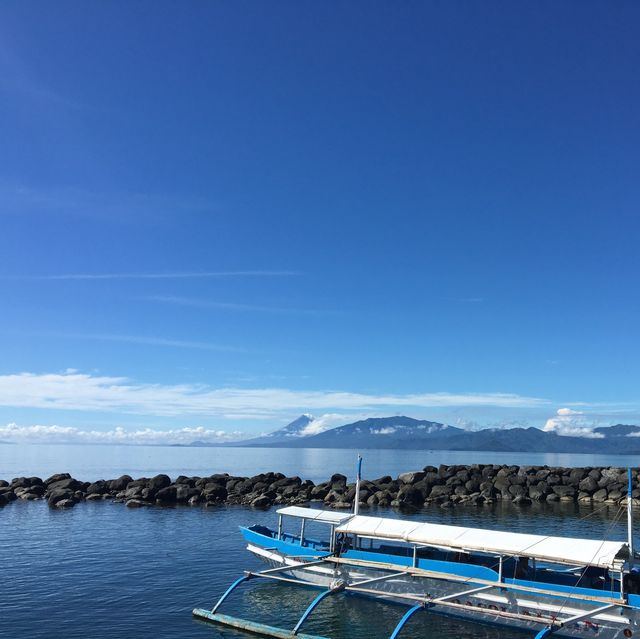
x: 216, y: 216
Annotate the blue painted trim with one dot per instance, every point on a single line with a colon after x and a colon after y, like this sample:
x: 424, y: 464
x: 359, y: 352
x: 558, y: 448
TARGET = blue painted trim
x: 229, y: 590
x: 403, y: 621
x: 310, y: 609
x: 282, y: 546
x: 545, y: 632
x: 453, y: 568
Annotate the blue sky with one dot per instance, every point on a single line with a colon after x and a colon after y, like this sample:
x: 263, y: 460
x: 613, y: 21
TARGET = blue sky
x: 217, y: 216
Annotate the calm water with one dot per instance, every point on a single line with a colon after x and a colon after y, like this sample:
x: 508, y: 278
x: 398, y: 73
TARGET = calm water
x: 89, y: 463
x: 104, y: 571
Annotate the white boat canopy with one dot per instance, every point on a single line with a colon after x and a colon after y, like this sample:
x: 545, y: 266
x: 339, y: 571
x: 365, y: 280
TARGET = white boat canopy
x: 564, y: 550
x: 325, y: 516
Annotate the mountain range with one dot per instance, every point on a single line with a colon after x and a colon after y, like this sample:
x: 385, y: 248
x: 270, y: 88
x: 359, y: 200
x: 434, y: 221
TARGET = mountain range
x: 400, y: 432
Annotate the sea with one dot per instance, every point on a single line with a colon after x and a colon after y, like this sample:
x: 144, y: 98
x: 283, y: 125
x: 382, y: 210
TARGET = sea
x: 104, y: 571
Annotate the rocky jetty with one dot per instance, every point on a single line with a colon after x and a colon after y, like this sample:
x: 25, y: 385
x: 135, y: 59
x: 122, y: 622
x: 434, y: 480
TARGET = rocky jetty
x: 444, y: 486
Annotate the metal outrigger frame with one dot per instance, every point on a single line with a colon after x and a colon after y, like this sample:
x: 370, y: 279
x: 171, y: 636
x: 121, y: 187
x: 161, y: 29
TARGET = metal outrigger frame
x: 551, y: 624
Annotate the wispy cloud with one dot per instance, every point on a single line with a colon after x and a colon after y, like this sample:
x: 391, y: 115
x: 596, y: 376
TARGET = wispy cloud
x: 467, y: 300
x: 17, y: 78
x: 135, y: 339
x: 153, y: 341
x: 233, y: 306
x: 15, y: 433
x: 82, y: 392
x: 175, y: 275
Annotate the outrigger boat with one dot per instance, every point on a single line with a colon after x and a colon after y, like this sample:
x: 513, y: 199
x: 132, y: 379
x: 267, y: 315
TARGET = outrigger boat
x: 543, y: 584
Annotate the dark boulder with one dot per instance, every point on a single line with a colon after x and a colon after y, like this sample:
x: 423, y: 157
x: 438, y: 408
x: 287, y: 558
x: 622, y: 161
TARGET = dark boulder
x: 184, y: 492
x: 57, y: 477
x: 61, y: 494
x: 189, y: 481
x: 116, y: 485
x: 20, y: 482
x: 440, y: 492
x: 142, y: 482
x: 8, y: 493
x: 412, y: 477
x: 214, y: 492
x: 424, y: 487
x: 99, y: 487
x: 167, y: 495
x: 69, y: 482
x: 565, y: 493
x: 159, y: 482
x: 539, y: 491
x: 261, y: 502
x: 516, y: 490
x: 135, y: 492
x: 409, y: 495
x: 588, y: 484
x: 320, y: 491
x: 600, y: 495
x: 38, y: 490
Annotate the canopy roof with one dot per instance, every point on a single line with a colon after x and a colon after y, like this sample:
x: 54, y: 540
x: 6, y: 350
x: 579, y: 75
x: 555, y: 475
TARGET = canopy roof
x: 326, y: 516
x: 566, y: 550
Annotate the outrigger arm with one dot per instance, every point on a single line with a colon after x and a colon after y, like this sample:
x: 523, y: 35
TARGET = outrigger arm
x: 419, y: 602
x: 264, y: 629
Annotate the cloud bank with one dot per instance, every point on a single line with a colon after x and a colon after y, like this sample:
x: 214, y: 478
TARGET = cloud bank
x: 573, y: 423
x: 82, y: 392
x: 16, y: 434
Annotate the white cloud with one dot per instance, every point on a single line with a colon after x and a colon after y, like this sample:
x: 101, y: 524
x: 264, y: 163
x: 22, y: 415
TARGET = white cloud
x: 15, y: 433
x: 386, y: 430
x: 82, y: 392
x: 573, y: 423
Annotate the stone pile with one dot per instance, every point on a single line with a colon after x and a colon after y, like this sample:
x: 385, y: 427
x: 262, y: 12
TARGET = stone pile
x: 445, y: 486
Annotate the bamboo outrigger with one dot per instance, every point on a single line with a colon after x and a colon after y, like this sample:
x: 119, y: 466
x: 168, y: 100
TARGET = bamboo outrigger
x: 548, y: 585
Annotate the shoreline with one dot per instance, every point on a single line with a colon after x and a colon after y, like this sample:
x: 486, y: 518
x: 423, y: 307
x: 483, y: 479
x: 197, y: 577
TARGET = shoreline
x: 445, y: 486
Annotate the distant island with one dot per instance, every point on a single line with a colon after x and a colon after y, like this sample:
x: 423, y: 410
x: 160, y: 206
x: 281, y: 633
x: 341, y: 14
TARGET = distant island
x: 402, y: 432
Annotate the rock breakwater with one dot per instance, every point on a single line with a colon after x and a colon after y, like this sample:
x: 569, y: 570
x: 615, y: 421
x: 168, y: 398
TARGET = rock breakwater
x: 445, y: 486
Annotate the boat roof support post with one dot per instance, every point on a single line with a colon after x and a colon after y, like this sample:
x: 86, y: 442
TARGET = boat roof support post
x: 401, y: 624
x: 279, y: 526
x: 304, y: 521
x: 356, y: 499
x: 630, y: 515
